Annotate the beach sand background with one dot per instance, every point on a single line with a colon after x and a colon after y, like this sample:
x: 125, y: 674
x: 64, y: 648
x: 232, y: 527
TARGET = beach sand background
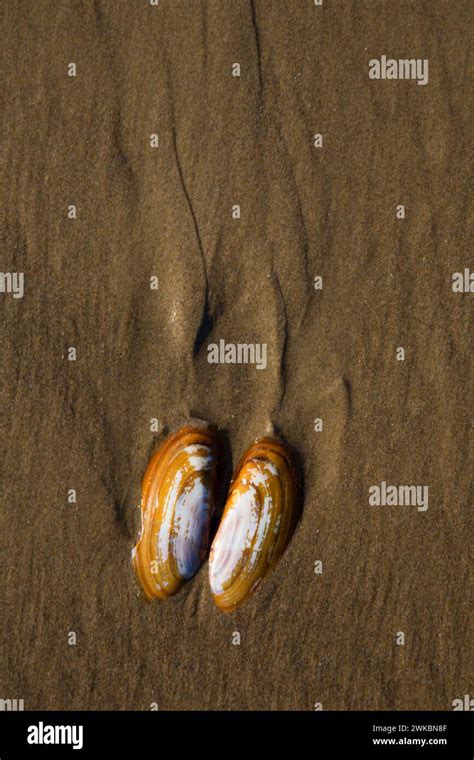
x: 142, y: 353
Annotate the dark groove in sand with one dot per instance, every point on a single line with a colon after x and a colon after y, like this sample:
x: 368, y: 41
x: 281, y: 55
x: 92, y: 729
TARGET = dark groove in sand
x: 257, y: 44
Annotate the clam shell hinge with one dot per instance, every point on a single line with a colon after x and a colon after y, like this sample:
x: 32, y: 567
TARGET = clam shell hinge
x: 258, y: 519
x: 178, y: 499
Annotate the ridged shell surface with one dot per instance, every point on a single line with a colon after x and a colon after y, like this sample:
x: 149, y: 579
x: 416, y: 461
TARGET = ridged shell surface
x: 178, y: 499
x: 258, y: 519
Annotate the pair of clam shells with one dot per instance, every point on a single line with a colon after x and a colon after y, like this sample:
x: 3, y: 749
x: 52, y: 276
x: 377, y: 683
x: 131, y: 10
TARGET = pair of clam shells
x: 179, y: 492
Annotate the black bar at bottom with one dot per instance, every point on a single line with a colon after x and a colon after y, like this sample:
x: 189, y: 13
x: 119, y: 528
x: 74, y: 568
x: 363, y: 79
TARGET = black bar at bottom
x: 370, y: 734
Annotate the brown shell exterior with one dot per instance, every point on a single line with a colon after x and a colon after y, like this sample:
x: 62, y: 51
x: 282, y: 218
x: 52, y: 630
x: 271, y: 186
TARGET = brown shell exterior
x: 178, y: 499
x: 258, y: 520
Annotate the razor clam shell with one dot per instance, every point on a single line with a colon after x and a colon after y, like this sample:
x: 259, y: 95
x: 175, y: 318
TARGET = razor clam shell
x: 258, y: 519
x: 178, y: 499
